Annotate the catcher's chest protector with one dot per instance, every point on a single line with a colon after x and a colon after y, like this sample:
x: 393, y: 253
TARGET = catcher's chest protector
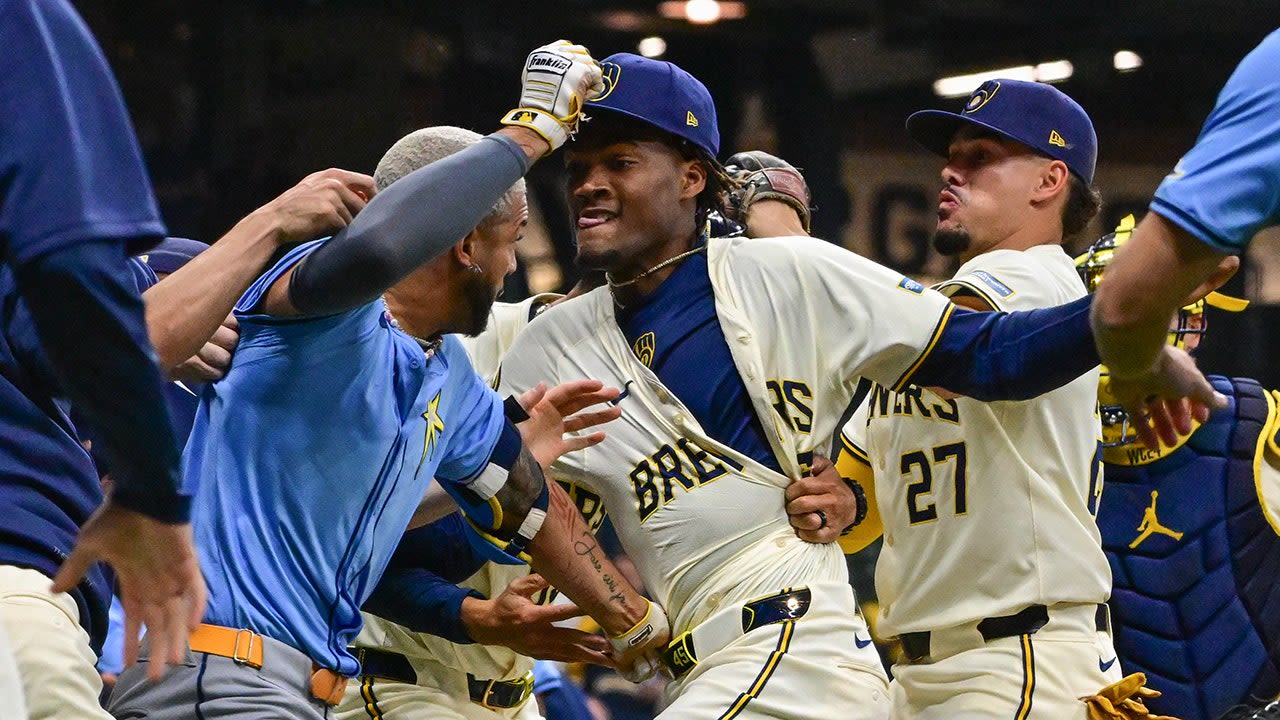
x: 1196, y: 604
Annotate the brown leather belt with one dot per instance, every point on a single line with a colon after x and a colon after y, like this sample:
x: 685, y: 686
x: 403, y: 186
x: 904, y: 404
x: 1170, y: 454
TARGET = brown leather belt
x: 245, y: 647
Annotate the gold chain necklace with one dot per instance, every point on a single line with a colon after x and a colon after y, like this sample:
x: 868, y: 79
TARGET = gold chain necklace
x: 613, y: 284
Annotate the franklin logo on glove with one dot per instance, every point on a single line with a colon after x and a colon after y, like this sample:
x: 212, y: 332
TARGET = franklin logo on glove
x: 548, y: 62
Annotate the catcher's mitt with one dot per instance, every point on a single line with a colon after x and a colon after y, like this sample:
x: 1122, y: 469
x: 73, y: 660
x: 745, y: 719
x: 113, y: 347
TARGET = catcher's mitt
x: 762, y: 176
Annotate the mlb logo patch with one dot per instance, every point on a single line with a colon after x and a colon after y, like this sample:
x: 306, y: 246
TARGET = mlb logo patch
x: 1001, y: 289
x: 911, y: 285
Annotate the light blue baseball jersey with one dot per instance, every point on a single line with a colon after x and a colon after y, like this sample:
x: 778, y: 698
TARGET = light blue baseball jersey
x: 309, y: 458
x: 1227, y: 187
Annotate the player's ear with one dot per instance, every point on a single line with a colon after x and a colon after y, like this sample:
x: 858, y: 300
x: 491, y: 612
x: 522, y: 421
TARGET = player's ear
x: 464, y: 250
x: 693, y: 179
x: 1053, y: 178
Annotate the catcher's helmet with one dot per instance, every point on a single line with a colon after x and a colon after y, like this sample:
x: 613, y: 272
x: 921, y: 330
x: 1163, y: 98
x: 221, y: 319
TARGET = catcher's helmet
x: 1190, y: 322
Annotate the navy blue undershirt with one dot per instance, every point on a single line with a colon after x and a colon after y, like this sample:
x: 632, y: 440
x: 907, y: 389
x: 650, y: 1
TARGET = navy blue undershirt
x: 692, y: 358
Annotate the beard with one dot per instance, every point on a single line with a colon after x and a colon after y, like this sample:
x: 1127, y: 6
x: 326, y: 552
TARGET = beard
x: 479, y: 297
x: 602, y: 260
x: 951, y: 241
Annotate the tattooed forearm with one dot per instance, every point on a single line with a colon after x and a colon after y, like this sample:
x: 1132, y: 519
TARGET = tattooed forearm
x: 568, y: 555
x: 521, y: 491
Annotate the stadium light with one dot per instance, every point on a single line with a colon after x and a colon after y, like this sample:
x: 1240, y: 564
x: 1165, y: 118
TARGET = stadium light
x: 703, y: 12
x: 1126, y: 61
x: 1046, y: 72
x: 652, y: 47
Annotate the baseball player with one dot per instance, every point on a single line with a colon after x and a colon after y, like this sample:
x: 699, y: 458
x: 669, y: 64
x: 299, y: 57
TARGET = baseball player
x: 438, y: 669
x: 1225, y: 189
x: 1192, y: 531
x: 344, y: 400
x: 74, y: 199
x: 415, y: 663
x: 1007, y: 623
x: 737, y: 363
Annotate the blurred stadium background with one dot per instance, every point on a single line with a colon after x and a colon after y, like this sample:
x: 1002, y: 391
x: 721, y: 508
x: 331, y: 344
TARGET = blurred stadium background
x: 234, y: 101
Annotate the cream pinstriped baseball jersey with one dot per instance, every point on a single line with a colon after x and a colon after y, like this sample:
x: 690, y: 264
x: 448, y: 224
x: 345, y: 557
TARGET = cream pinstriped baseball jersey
x: 705, y: 524
x: 987, y: 507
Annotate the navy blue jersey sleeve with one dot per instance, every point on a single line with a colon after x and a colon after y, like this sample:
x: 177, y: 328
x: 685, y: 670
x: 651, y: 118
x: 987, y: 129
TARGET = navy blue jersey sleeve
x: 90, y: 323
x: 70, y: 167
x: 418, y: 589
x: 440, y: 547
x: 421, y: 601
x: 1010, y: 356
x: 1227, y: 187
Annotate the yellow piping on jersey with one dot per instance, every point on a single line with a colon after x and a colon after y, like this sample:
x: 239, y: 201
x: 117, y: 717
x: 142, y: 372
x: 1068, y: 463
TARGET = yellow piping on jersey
x: 1028, y: 678
x: 937, y: 333
x: 370, y: 702
x: 770, y: 665
x: 971, y: 287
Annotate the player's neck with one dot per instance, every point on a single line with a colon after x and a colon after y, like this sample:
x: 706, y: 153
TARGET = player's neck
x: 635, y: 283
x: 419, y: 317
x: 1022, y: 239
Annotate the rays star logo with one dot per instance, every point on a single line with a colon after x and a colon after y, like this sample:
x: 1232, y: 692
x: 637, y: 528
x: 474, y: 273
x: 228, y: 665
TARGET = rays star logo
x: 435, y: 426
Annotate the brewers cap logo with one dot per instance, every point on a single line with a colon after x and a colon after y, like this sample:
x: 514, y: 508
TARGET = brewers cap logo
x: 644, y: 347
x: 610, y: 72
x: 982, y: 95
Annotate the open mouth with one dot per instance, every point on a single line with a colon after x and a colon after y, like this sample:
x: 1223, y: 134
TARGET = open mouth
x: 594, y: 217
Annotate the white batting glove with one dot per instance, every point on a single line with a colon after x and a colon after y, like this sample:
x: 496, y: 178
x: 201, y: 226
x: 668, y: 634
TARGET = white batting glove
x: 557, y: 80
x: 638, y: 651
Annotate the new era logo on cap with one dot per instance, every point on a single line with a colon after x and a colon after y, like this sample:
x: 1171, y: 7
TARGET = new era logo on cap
x: 1035, y: 114
x: 690, y: 119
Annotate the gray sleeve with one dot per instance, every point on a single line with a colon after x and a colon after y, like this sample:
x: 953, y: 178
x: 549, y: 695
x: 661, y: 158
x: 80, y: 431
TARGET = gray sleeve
x: 410, y: 223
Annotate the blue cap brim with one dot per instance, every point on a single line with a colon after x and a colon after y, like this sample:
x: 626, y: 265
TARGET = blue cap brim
x: 934, y: 129
x: 627, y: 113
x: 172, y: 253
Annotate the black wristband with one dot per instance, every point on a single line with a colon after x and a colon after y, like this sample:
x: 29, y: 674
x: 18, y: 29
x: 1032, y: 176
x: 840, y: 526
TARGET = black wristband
x: 514, y: 411
x: 861, y: 496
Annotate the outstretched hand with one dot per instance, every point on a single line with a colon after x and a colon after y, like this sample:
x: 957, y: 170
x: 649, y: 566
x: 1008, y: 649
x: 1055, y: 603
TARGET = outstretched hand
x: 514, y: 620
x: 560, y: 410
x: 1162, y: 402
x: 158, y: 574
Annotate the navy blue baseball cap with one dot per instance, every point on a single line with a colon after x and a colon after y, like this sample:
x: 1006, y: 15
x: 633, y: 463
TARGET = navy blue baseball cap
x: 172, y: 253
x: 1037, y: 115
x: 660, y: 94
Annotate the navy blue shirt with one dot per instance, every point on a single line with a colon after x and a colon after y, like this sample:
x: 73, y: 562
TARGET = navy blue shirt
x: 692, y: 359
x: 70, y: 173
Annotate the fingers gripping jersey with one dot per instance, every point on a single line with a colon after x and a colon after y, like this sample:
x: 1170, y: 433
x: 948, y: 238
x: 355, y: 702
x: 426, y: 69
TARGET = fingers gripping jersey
x: 949, y: 470
x: 704, y: 523
x: 1194, y: 541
